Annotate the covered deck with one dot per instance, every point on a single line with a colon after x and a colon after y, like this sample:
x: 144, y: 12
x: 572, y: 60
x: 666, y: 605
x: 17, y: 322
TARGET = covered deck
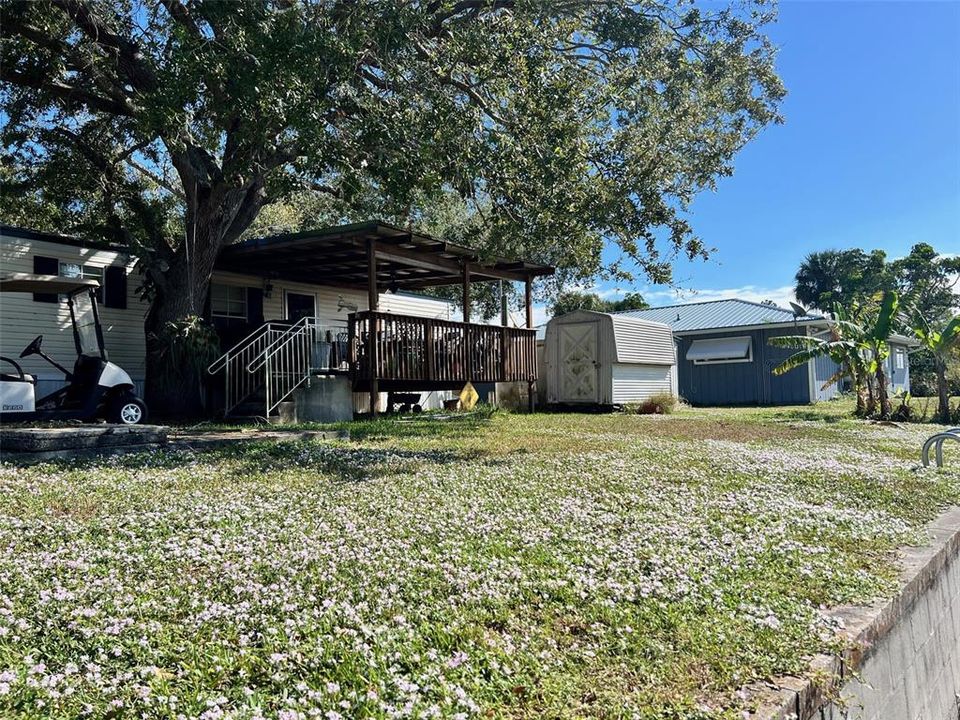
x: 393, y: 352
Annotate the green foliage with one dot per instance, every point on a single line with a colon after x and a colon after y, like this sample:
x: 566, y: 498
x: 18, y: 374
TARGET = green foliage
x: 574, y: 300
x: 941, y: 345
x: 858, y: 346
x: 189, y: 346
x: 560, y: 126
x: 926, y: 281
x: 840, y: 277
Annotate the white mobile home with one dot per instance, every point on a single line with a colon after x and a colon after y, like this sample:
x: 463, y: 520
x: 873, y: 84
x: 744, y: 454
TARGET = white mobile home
x: 238, y: 303
x: 339, y: 308
x: 603, y: 359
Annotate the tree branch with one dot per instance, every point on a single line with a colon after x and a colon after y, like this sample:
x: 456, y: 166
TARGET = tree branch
x: 67, y: 93
x: 179, y: 12
x: 130, y: 58
x: 162, y: 182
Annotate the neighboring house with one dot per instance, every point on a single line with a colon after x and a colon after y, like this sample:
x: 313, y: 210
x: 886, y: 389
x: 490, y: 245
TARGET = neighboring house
x: 324, y: 276
x: 724, y: 356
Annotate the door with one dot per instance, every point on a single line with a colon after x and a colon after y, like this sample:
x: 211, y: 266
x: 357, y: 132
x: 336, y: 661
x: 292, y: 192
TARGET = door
x: 579, y: 369
x: 300, y: 305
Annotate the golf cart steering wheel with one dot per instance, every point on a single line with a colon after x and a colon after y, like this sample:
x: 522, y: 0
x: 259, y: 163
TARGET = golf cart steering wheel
x: 33, y: 348
x: 15, y: 365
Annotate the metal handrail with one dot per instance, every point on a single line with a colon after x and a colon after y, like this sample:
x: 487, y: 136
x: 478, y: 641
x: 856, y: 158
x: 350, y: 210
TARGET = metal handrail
x: 242, y: 346
x: 288, y: 360
x: 936, y: 442
x: 291, y: 330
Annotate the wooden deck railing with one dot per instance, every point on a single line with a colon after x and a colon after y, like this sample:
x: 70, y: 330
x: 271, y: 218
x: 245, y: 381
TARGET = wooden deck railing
x: 409, y: 350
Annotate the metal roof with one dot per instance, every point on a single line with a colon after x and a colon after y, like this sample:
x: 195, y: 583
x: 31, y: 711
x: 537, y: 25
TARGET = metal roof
x: 720, y: 314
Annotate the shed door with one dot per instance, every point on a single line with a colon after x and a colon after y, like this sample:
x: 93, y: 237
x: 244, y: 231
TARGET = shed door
x: 579, y: 369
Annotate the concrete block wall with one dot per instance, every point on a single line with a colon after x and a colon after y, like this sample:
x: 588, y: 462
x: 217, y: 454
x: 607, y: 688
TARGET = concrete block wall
x: 903, y: 658
x: 913, y: 672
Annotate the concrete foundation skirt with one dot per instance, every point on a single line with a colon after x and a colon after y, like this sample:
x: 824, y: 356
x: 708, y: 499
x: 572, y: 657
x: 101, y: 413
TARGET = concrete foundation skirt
x: 325, y: 399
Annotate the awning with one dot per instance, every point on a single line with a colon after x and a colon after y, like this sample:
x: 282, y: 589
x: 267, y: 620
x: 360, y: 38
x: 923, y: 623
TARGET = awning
x: 719, y: 349
x: 406, y: 260
x: 29, y: 283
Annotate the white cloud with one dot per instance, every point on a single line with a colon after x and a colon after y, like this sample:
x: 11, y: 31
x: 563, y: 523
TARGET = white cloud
x: 782, y: 295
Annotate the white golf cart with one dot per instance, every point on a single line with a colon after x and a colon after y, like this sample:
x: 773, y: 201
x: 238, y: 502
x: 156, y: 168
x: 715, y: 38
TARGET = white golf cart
x: 95, y: 389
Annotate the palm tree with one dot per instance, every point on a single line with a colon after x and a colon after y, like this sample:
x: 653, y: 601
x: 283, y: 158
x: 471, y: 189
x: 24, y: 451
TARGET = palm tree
x: 940, y: 343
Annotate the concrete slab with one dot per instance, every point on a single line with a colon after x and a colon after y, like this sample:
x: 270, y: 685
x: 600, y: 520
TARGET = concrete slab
x: 36, y: 444
x: 197, y: 439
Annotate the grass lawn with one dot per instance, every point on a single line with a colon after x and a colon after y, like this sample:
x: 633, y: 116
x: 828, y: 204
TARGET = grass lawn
x: 545, y: 566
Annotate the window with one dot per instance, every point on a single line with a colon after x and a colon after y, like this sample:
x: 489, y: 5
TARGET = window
x: 76, y: 270
x: 228, y: 301
x: 721, y: 350
x: 899, y: 359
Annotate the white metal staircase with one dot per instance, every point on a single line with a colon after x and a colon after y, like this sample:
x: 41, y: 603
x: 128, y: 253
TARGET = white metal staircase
x: 266, y: 367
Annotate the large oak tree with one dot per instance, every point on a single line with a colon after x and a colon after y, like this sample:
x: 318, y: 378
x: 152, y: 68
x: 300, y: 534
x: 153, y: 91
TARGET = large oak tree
x: 565, y: 124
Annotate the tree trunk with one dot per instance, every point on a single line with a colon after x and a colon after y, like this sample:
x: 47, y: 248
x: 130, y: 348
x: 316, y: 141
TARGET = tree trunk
x: 861, y: 391
x: 173, y: 387
x: 883, y: 397
x: 943, y: 393
x: 216, y: 216
x: 871, y: 400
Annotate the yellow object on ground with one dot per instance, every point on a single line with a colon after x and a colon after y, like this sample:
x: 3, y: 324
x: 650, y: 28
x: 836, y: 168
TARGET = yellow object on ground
x: 468, y: 397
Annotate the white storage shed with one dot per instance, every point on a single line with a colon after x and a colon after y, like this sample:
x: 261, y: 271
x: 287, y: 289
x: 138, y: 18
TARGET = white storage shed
x: 605, y: 359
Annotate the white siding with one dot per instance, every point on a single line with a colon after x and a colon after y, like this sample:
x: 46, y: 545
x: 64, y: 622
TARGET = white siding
x: 639, y: 341
x: 22, y: 319
x: 634, y: 383
x: 327, y: 299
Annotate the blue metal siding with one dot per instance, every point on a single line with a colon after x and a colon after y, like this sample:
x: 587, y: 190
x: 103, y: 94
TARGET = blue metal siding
x: 792, y: 388
x: 823, y: 369
x: 743, y: 383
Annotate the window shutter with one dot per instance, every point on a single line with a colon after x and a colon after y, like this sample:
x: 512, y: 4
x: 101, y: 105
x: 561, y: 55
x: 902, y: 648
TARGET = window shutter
x: 115, y: 287
x: 255, y: 306
x: 46, y: 266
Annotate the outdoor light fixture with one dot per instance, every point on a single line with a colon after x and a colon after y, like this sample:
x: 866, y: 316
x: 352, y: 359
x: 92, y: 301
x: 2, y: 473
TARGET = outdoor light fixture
x: 267, y: 288
x: 344, y: 305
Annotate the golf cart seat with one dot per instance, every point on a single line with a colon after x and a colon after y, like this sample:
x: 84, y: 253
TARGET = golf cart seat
x: 7, y: 377
x: 18, y: 376
x: 86, y: 371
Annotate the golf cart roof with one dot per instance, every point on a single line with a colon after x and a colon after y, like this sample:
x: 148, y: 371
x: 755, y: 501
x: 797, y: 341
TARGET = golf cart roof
x: 29, y: 283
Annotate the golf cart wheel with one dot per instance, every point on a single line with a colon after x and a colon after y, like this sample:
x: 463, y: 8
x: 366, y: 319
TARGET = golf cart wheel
x: 128, y: 410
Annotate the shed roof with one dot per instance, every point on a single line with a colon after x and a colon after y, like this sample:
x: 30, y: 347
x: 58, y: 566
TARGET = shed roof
x: 719, y: 314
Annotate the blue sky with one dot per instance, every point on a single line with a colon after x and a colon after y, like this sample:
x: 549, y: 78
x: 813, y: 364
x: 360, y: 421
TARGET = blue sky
x: 869, y: 155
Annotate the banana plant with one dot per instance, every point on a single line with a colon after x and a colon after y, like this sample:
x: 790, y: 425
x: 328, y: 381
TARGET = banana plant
x: 843, y: 344
x: 940, y: 343
x: 877, y: 344
x: 860, y: 350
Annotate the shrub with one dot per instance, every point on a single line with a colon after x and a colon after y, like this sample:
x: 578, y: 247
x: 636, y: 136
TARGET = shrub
x: 659, y: 404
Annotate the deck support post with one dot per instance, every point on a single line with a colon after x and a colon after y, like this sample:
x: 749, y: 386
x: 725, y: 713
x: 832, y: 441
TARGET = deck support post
x: 528, y: 298
x: 504, y: 316
x: 466, y: 293
x: 373, y: 326
x: 528, y: 301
